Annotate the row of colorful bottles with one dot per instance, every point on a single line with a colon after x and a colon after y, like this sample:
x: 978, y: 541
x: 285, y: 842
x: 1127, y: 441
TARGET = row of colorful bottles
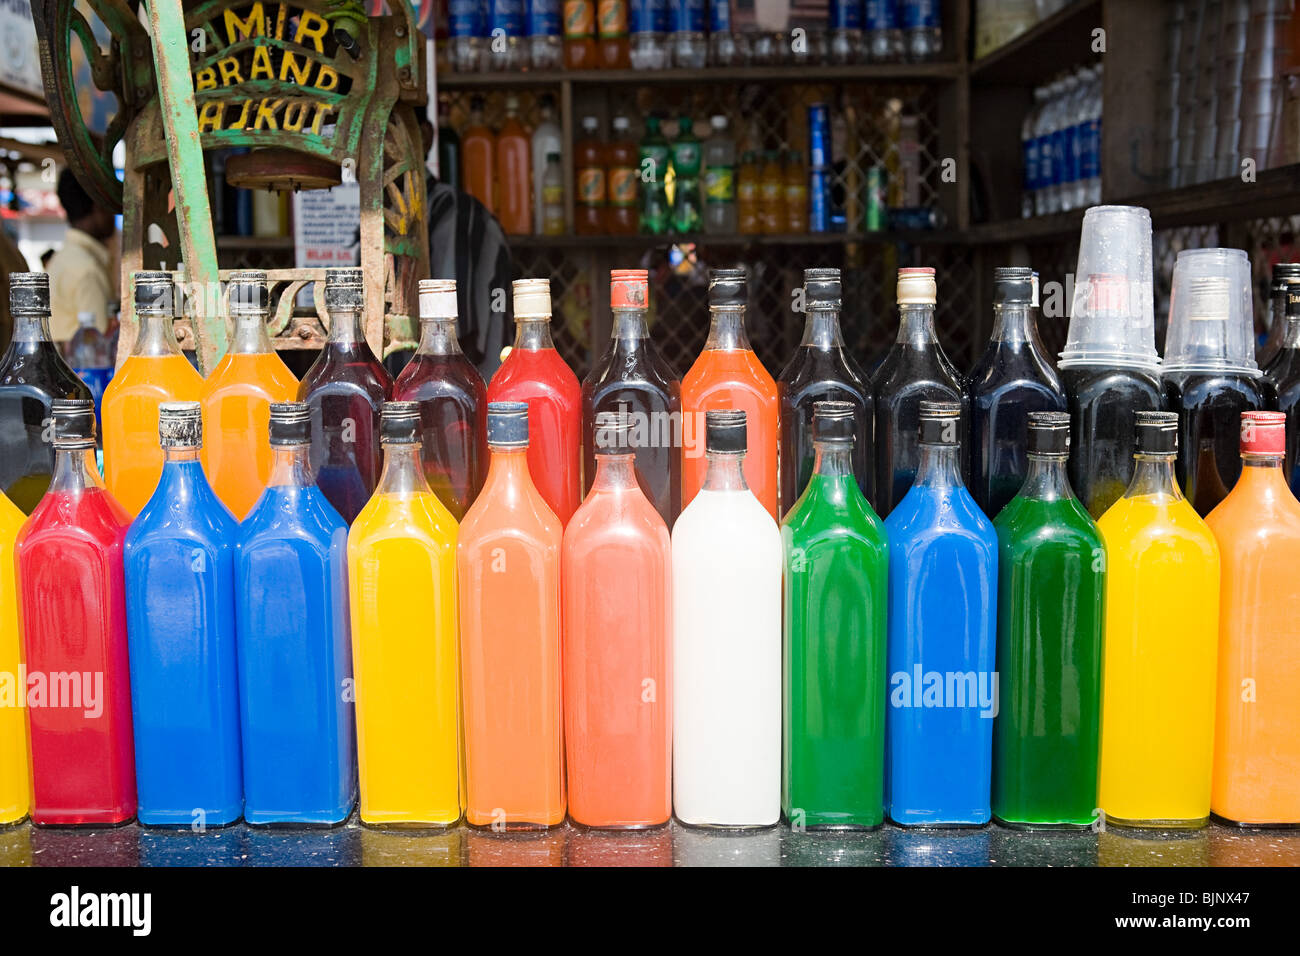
x: 507, y: 170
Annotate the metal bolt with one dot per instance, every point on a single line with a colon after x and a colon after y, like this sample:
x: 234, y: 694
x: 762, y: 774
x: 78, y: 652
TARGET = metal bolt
x: 401, y: 31
x: 304, y: 332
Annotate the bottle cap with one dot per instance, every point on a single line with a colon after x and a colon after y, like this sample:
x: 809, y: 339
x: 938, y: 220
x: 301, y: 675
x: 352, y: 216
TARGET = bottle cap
x: 438, y: 299
x: 180, y: 425
x: 507, y: 425
x: 532, y: 299
x: 1286, y: 272
x: 154, y: 293
x: 821, y: 287
x: 247, y: 293
x: 940, y: 423
x: 1013, y: 285
x: 290, y: 423
x: 344, y: 290
x: 74, y: 422
x: 1157, y: 433
x: 1049, y: 433
x: 629, y: 289
x: 724, y: 431
x: 916, y: 286
x: 399, y: 423
x: 29, y: 293
x: 727, y: 288
x: 834, y: 422
x: 612, y: 433
x: 85, y: 319
x: 1263, y: 433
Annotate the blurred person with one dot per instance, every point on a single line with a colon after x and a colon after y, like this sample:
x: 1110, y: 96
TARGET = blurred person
x: 81, y: 278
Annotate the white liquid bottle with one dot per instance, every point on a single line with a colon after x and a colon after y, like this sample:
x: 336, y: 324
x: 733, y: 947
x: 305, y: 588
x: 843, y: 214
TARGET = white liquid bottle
x: 727, y: 563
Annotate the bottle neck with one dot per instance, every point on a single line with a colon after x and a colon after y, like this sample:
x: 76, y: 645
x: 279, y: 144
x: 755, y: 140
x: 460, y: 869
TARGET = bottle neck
x: 821, y: 330
x: 533, y: 335
x: 727, y: 330
x: 614, y: 472
x: 1046, y: 479
x: 32, y: 327
x: 438, y: 337
x: 1154, y: 475
x: 630, y: 325
x: 345, y: 327
x: 916, y: 325
x: 403, y: 472
x: 1291, y: 337
x: 725, y: 472
x: 75, y: 471
x: 250, y: 336
x: 833, y: 459
x: 291, y: 466
x: 173, y: 454
x: 937, y: 466
x: 1014, y: 324
x: 157, y: 335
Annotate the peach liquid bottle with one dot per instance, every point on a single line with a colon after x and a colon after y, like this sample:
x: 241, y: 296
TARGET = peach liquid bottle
x: 729, y: 375
x: 155, y: 372
x: 616, y: 586
x: 237, y: 400
x: 15, y: 776
x: 508, y: 562
x: 1257, y: 714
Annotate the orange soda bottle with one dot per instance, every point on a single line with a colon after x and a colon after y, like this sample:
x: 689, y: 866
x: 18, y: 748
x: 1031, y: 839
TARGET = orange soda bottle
x: 514, y: 168
x: 478, y: 157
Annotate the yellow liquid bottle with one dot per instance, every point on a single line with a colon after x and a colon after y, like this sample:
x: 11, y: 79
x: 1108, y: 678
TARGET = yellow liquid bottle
x: 1161, y: 645
x: 237, y: 400
x: 155, y: 372
x: 15, y: 774
x: 405, y: 654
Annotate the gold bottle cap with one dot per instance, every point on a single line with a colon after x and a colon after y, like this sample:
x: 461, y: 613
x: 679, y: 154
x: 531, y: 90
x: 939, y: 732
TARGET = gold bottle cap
x: 438, y: 299
x: 916, y: 286
x: 532, y: 299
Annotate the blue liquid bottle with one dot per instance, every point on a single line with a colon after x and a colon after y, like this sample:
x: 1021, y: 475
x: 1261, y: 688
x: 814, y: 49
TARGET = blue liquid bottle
x: 295, y: 653
x: 943, y: 579
x: 180, y: 611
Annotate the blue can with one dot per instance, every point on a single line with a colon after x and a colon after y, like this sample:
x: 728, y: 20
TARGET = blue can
x: 506, y: 16
x: 719, y: 16
x: 688, y: 16
x: 846, y: 15
x: 881, y: 15
x: 467, y: 18
x: 819, y: 135
x: 920, y: 14
x: 647, y: 16
x: 543, y: 18
x: 819, y: 200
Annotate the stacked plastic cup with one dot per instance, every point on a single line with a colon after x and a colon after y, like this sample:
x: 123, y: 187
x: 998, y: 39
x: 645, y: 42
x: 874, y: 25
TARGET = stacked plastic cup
x: 1211, y: 314
x: 1112, y: 314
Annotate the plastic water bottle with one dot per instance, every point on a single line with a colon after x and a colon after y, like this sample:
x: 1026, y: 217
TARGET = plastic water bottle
x: 720, y: 213
x: 545, y: 46
x: 505, y: 42
x: 726, y: 46
x: 467, y: 24
x: 647, y: 22
x: 1029, y: 146
x: 845, y: 31
x: 1090, y: 148
x: 89, y: 356
x: 922, y: 33
x: 690, y: 51
x: 1063, y: 142
x: 1045, y: 193
x: 884, y: 43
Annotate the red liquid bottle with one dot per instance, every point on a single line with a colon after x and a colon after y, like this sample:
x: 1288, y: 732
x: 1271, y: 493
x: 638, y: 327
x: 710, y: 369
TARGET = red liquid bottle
x: 72, y: 608
x: 452, y: 399
x: 535, y: 373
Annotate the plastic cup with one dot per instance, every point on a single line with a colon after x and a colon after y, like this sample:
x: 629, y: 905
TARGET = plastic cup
x: 1112, y: 314
x: 1211, y: 314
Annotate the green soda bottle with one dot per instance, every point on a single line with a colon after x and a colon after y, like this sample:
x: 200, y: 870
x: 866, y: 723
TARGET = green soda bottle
x: 655, y: 211
x: 1052, y: 574
x: 687, y: 160
x: 836, y: 568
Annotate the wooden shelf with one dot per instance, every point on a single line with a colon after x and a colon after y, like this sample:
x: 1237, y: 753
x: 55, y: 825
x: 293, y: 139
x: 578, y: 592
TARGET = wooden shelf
x: 894, y: 72
x: 639, y: 241
x: 1061, y: 41
x: 260, y: 243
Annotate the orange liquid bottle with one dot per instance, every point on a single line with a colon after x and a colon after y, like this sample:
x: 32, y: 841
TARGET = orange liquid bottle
x: 1256, y: 747
x: 611, y: 26
x: 622, y: 176
x: 514, y: 166
x: 616, y: 586
x: 237, y: 400
x: 155, y: 372
x: 508, y: 565
x: 771, y: 195
x: 589, y: 163
x: 729, y: 375
x: 579, y: 34
x: 478, y: 157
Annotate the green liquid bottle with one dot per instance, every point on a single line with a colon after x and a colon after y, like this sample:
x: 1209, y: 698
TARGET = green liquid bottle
x: 1052, y: 573
x: 836, y: 563
x: 688, y: 203
x: 655, y: 211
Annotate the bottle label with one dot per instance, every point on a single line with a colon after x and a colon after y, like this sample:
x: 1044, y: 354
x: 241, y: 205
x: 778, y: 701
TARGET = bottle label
x: 720, y: 184
x: 543, y: 18
x: 579, y: 19
x: 647, y: 16
x: 611, y: 19
x: 466, y: 18
x: 1090, y: 149
x: 846, y: 15
x: 622, y: 186
x: 1046, y: 171
x: 881, y: 15
x: 686, y: 159
x: 1070, y: 154
x: 719, y: 16
x: 747, y: 190
x: 1060, y: 173
x: 920, y: 13
x: 1030, y: 147
x: 591, y: 186
x: 507, y: 16
x: 688, y: 16
x: 553, y: 195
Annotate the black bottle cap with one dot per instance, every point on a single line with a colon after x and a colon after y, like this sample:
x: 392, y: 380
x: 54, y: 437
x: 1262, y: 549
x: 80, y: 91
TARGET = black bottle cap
x: 940, y: 423
x: 1157, y: 433
x: 290, y: 423
x: 399, y: 423
x: 727, y: 288
x: 1286, y: 272
x: 344, y: 290
x: 1049, y: 433
x: 724, y: 431
x: 507, y: 425
x: 612, y: 433
x: 822, y: 287
x: 154, y: 293
x: 74, y: 422
x: 29, y: 293
x: 834, y: 422
x: 247, y: 293
x: 180, y: 425
x: 1013, y: 285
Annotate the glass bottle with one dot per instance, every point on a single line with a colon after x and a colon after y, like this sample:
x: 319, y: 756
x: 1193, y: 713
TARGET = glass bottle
x: 32, y: 375
x: 452, y: 399
x: 345, y: 388
x: 83, y: 761
x: 1280, y: 385
x: 836, y: 595
x: 617, y: 613
x: 1284, y: 274
x: 822, y: 370
x: 478, y: 151
x: 726, y: 553
x: 535, y: 373
x: 291, y: 616
x: 943, y: 685
x: 729, y: 375
x: 180, y: 614
x: 1013, y: 377
x: 15, y: 767
x: 1162, y: 635
x: 632, y: 379
x: 1051, y: 590
x: 514, y: 169
x: 508, y: 562
x: 915, y: 369
x: 402, y: 580
x: 237, y: 397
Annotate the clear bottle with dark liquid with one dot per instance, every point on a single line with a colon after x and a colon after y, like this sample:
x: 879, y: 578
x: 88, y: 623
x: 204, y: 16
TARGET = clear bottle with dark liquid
x: 1281, y: 387
x: 1284, y: 274
x: 32, y: 375
x: 1013, y: 377
x: 631, y: 378
x: 822, y: 370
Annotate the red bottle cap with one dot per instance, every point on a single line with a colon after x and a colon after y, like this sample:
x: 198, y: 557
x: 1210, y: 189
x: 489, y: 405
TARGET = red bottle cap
x: 629, y: 289
x: 1263, y: 433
